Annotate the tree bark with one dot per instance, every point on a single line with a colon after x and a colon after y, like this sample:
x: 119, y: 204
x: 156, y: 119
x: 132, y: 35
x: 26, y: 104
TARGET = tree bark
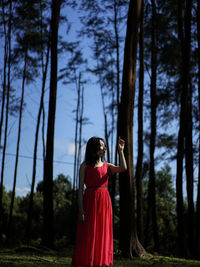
x: 138, y: 173
x: 189, y: 126
x: 128, y: 240
x: 151, y: 187
x: 76, y: 141
x: 181, y: 145
x: 197, y: 241
x: 4, y: 70
x: 48, y: 226
x: 2, y: 224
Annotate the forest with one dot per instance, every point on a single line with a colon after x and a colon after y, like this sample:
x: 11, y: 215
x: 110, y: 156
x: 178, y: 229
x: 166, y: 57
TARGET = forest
x: 145, y: 59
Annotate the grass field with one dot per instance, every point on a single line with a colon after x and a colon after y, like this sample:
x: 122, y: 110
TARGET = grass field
x: 22, y: 257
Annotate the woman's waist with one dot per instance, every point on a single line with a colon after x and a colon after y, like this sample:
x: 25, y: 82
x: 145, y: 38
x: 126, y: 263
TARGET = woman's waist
x: 99, y: 188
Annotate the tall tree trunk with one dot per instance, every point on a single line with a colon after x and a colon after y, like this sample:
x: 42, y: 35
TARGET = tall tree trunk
x: 76, y: 140
x: 181, y: 145
x: 138, y: 173
x: 114, y: 176
x: 128, y: 240
x: 48, y: 227
x: 18, y: 144
x: 189, y: 126
x: 197, y: 241
x: 29, y: 218
x: 2, y: 224
x: 151, y: 186
x: 4, y: 69
x: 80, y: 126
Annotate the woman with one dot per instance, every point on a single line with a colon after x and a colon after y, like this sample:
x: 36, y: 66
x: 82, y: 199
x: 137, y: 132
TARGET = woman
x: 94, y: 240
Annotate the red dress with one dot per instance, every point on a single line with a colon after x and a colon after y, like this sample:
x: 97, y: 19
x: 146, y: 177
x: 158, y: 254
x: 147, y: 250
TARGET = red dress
x: 94, y: 238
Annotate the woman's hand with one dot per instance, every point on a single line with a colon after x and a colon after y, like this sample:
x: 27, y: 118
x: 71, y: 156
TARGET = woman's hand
x: 121, y: 144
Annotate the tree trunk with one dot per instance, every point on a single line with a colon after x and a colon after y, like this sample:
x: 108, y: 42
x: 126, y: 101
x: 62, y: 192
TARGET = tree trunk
x: 2, y: 224
x: 128, y: 240
x: 4, y: 70
x: 181, y: 146
x: 48, y: 227
x: 113, y: 177
x: 80, y: 126
x: 76, y: 141
x: 18, y: 144
x: 189, y: 126
x: 151, y: 186
x: 197, y: 241
x: 138, y: 173
x: 29, y: 218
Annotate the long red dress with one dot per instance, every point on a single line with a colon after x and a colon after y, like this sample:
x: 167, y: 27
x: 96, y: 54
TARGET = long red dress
x: 94, y: 238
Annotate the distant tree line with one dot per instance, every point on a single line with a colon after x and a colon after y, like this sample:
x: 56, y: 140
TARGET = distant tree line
x: 145, y: 57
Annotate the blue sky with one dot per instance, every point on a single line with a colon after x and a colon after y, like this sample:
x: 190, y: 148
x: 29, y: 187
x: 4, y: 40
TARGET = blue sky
x: 64, y: 126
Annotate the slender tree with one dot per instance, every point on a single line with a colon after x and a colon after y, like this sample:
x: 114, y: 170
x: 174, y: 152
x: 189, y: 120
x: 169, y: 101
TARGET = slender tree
x: 2, y: 224
x: 181, y: 145
x: 44, y: 71
x: 76, y: 173
x: 18, y: 143
x: 4, y: 68
x: 189, y: 126
x: 128, y: 240
x: 197, y: 241
x: 139, y: 171
x: 48, y: 226
x: 151, y: 192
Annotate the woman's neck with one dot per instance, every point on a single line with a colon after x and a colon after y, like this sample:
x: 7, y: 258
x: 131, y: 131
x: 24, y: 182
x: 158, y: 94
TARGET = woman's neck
x: 99, y: 162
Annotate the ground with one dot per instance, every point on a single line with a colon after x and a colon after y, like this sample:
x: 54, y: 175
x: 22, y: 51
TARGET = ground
x: 31, y: 256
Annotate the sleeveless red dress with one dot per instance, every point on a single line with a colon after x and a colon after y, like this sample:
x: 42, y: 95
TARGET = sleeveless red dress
x: 94, y: 238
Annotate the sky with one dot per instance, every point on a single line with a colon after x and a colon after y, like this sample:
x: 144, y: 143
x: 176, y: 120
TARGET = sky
x: 64, y: 126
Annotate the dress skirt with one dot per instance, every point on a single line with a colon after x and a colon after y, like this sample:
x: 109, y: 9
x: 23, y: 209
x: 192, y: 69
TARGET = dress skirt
x: 94, y: 238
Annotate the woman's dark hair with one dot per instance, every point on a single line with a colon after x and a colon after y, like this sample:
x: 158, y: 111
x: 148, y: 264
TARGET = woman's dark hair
x: 92, y: 149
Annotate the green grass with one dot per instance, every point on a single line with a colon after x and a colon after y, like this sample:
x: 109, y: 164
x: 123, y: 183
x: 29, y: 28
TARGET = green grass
x: 30, y: 256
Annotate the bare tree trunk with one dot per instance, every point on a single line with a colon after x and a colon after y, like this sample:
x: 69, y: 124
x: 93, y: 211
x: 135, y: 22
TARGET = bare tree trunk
x: 128, y: 240
x: 151, y: 186
x: 114, y: 176
x: 197, y: 241
x: 181, y: 147
x: 18, y: 144
x: 2, y: 225
x: 139, y: 173
x: 76, y: 140
x: 29, y: 218
x: 4, y: 70
x: 80, y: 127
x: 189, y: 126
x: 48, y: 227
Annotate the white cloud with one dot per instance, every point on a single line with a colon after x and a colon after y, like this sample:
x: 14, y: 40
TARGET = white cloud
x: 67, y: 147
x: 22, y: 191
x: 60, y: 145
x: 71, y: 149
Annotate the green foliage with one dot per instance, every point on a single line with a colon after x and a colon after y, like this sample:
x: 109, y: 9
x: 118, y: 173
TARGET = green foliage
x: 166, y: 211
x: 62, y: 194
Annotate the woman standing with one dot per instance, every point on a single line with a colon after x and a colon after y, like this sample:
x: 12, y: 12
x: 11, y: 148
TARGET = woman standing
x: 94, y: 240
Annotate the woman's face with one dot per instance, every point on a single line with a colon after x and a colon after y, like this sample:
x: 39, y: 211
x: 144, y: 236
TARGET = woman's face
x: 102, y: 149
